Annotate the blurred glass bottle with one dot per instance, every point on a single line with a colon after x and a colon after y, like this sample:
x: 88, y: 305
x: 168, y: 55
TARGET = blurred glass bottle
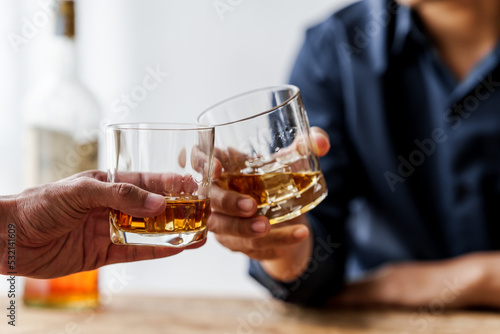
x: 62, y: 118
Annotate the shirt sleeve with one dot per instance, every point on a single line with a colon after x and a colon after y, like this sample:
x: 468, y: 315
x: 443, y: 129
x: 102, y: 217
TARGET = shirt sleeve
x: 320, y: 279
x: 317, y: 74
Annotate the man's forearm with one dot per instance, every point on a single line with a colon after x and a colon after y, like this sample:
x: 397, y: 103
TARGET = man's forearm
x: 471, y: 280
x: 486, y: 290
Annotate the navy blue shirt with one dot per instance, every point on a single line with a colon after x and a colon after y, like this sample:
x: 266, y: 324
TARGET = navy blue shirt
x: 414, y: 166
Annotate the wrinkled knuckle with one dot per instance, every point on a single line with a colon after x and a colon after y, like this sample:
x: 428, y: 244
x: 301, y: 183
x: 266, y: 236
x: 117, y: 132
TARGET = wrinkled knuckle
x: 257, y: 243
x: 216, y: 224
x: 227, y: 200
x: 214, y: 205
x: 213, y: 226
x: 251, y: 243
x: 85, y: 183
x: 89, y: 173
x: 241, y: 228
x: 125, y: 190
x: 214, y: 200
x: 96, y: 174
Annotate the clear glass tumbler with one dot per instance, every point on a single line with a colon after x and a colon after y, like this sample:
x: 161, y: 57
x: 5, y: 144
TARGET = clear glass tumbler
x: 263, y: 142
x: 173, y: 160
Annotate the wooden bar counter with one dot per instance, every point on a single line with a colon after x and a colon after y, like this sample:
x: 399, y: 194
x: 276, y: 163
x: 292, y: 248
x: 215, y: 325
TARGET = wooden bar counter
x: 147, y: 314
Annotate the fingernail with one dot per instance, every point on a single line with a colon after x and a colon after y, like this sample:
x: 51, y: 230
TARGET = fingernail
x: 153, y: 201
x: 258, y: 226
x: 301, y: 232
x: 245, y: 204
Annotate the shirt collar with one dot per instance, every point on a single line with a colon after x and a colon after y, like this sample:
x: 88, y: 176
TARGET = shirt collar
x: 407, y: 28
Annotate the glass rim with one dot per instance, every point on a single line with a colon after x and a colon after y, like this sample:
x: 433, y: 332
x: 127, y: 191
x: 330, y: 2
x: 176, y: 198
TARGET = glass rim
x: 159, y: 126
x: 295, y: 90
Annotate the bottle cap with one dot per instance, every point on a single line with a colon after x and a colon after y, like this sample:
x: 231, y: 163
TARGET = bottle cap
x: 65, y: 25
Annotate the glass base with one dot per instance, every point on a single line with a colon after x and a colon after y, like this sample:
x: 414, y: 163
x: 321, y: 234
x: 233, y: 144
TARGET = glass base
x: 176, y: 240
x: 297, y: 204
x: 70, y: 303
x: 298, y: 212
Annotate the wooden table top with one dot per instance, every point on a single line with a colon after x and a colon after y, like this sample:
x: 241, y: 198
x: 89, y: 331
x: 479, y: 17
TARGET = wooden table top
x: 146, y: 314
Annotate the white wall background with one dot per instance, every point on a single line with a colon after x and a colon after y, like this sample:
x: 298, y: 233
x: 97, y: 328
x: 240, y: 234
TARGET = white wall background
x: 208, y: 57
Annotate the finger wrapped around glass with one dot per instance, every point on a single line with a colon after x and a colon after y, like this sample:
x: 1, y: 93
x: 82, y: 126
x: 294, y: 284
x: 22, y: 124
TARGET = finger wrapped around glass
x: 173, y: 160
x: 263, y: 142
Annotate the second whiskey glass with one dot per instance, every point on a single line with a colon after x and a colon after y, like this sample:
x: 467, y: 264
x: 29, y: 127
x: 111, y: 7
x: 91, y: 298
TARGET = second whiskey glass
x: 263, y: 142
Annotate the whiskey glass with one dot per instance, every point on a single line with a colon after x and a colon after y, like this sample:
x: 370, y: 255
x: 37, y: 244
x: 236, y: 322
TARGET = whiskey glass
x: 172, y: 160
x: 263, y: 143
